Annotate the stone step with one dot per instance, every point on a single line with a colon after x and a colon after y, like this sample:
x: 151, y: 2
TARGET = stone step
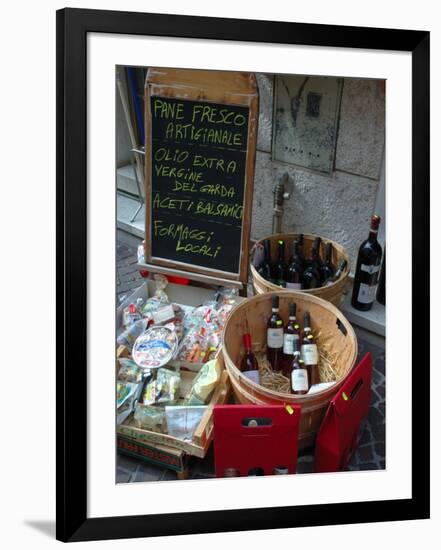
x: 125, y: 179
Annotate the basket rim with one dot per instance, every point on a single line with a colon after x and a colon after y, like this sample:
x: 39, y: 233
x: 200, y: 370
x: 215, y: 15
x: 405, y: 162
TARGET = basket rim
x: 310, y: 291
x: 234, y: 371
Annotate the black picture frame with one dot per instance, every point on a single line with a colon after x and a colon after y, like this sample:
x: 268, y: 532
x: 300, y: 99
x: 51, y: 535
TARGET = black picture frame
x: 71, y: 428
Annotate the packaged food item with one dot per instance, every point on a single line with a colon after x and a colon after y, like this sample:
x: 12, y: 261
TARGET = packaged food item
x: 183, y: 421
x: 155, y: 348
x: 163, y: 390
x: 159, y: 297
x: 140, y: 253
x: 124, y: 390
x: 129, y: 371
x: 128, y: 337
x: 132, y: 313
x: 150, y: 418
x: 203, y: 334
x: 228, y: 301
x: 204, y: 383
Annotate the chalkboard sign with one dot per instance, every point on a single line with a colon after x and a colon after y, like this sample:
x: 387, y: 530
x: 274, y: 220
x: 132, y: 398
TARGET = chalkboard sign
x: 197, y: 175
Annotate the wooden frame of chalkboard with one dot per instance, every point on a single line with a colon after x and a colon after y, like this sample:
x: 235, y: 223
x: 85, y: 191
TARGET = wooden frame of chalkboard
x: 201, y: 132
x: 73, y: 519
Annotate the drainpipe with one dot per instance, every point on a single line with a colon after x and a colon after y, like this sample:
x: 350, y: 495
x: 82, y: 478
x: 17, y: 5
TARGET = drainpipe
x: 280, y: 195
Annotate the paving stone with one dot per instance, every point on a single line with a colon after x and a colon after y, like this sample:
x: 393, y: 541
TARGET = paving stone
x: 130, y: 268
x: 378, y: 431
x: 168, y: 475
x: 375, y: 416
x: 380, y: 448
x: 122, y: 476
x: 147, y: 472
x: 380, y: 364
x: 369, y: 466
x: 365, y: 453
x: 366, y: 437
x: 127, y: 463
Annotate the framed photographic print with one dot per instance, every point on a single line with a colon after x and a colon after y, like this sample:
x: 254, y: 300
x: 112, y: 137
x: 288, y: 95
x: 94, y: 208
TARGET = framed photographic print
x: 223, y: 192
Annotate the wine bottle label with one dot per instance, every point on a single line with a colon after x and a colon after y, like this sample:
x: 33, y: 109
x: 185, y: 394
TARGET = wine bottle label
x: 366, y: 293
x: 288, y: 343
x: 370, y: 268
x: 309, y: 354
x: 299, y: 380
x: 297, y: 286
x: 274, y: 337
x: 253, y: 375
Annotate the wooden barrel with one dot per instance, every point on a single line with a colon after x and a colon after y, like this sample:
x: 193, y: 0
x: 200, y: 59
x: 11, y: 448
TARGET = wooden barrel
x: 332, y: 293
x: 327, y: 322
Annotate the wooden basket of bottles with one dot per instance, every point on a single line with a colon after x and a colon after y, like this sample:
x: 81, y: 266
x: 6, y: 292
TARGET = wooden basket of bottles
x: 336, y: 348
x: 332, y: 282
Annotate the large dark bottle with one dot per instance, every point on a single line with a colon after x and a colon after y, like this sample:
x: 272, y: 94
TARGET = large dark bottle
x: 367, y: 270
x: 309, y: 352
x: 295, y: 269
x: 381, y: 291
x: 265, y: 267
x: 279, y: 266
x: 274, y: 336
x: 311, y: 276
x: 327, y: 270
x: 290, y: 335
x: 250, y: 367
x: 300, y: 382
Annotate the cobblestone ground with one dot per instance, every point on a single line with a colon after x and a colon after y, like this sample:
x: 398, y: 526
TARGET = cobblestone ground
x: 370, y: 454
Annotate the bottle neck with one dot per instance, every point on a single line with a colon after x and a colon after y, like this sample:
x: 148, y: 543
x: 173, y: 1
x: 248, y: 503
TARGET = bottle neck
x: 267, y: 253
x: 275, y: 310
x: 373, y: 235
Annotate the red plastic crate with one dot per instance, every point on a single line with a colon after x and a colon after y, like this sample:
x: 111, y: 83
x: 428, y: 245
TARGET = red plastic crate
x: 339, y: 432
x: 255, y: 436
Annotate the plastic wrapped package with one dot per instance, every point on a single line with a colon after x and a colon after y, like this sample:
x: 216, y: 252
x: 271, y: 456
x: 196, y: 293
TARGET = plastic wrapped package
x: 132, y: 313
x: 158, y: 299
x: 150, y: 418
x: 164, y: 390
x: 129, y: 371
x: 129, y: 336
x: 183, y: 421
x: 204, y: 383
x: 124, y: 390
x: 228, y: 301
x: 203, y: 336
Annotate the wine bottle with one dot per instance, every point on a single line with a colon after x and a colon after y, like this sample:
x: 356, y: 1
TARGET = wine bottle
x: 327, y: 270
x: 301, y: 240
x: 381, y: 291
x: 341, y: 267
x: 250, y: 367
x: 309, y: 352
x: 274, y: 337
x: 295, y: 268
x: 265, y: 267
x: 311, y: 276
x: 291, y: 334
x: 279, y: 267
x: 367, y: 270
x: 299, y: 373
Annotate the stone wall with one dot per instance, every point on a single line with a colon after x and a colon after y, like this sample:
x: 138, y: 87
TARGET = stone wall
x: 338, y: 205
